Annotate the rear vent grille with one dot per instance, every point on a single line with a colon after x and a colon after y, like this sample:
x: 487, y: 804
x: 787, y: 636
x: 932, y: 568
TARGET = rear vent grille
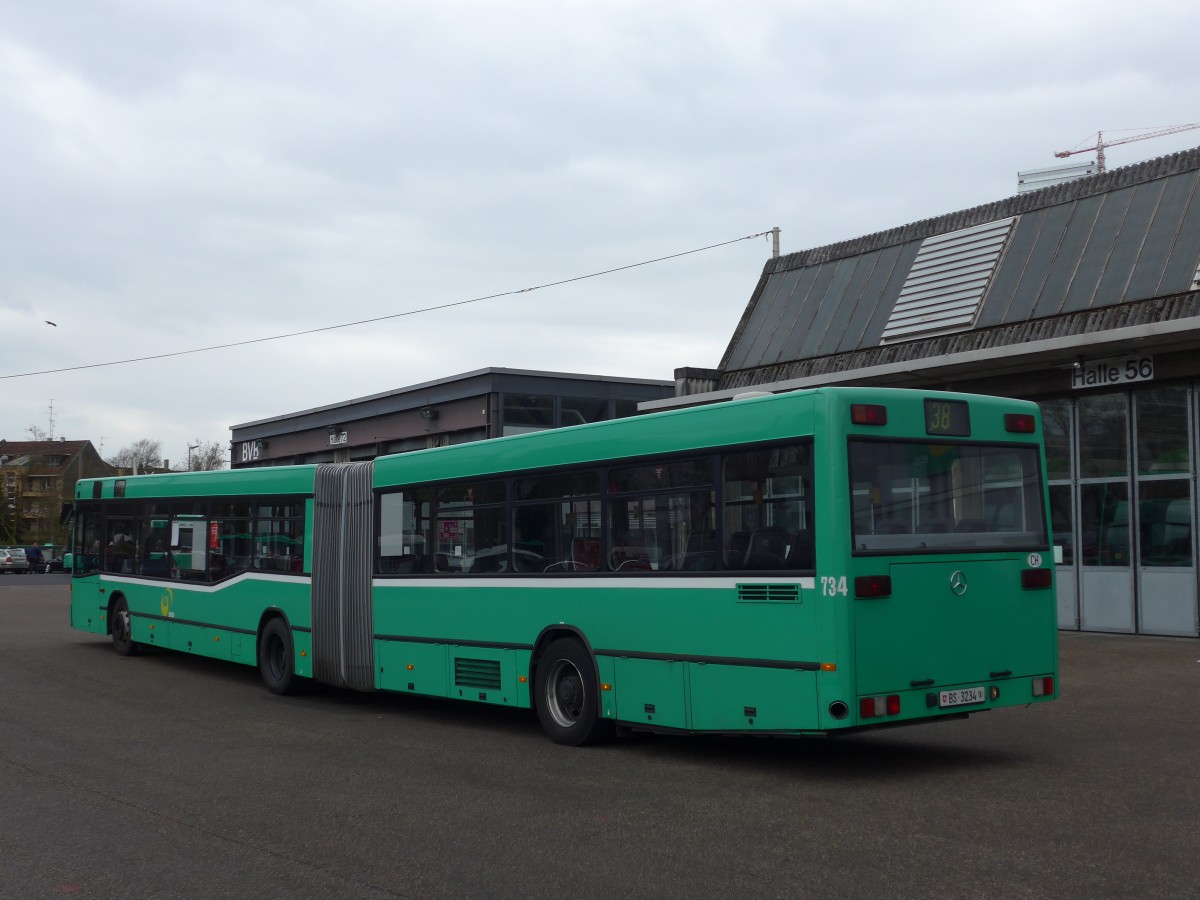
x: 477, y: 673
x: 768, y: 593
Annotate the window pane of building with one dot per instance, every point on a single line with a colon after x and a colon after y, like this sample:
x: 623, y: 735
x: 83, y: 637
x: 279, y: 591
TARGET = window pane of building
x: 528, y: 411
x: 1104, y: 524
x: 578, y: 410
x: 1162, y: 433
x: 625, y: 408
x: 1103, y: 433
x: 1056, y: 425
x: 1061, y: 516
x: 1165, y: 522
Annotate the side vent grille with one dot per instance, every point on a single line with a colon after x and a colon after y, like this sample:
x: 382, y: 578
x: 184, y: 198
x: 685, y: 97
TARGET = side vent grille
x: 768, y: 593
x: 477, y: 673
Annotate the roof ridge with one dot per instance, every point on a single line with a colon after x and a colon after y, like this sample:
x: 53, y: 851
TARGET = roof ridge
x: 1053, y: 195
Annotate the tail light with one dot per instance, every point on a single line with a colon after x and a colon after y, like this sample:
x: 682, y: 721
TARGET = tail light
x: 1036, y: 579
x: 1044, y: 686
x: 868, y: 414
x: 871, y: 587
x: 1019, y: 423
x: 877, y: 707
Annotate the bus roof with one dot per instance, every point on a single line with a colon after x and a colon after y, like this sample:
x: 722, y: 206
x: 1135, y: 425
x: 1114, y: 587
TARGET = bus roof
x: 755, y: 419
x: 265, y: 480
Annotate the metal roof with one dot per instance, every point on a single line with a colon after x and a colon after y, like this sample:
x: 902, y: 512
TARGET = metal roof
x: 1110, y: 240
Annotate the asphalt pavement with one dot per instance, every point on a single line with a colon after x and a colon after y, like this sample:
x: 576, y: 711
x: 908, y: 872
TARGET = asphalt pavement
x: 167, y: 775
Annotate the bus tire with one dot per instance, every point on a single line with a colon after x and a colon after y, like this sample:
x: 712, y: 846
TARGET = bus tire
x: 276, y: 657
x: 121, y: 629
x: 565, y: 695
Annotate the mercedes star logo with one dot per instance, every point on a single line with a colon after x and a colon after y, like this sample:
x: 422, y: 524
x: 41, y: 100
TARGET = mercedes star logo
x: 958, y: 583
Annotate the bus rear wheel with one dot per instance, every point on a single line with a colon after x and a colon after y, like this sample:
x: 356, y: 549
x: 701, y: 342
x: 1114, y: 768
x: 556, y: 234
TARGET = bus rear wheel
x: 276, y: 660
x: 122, y: 629
x: 565, y: 695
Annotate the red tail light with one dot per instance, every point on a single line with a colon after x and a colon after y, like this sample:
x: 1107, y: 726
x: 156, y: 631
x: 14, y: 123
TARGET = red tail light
x: 1044, y: 686
x: 868, y: 414
x: 869, y: 587
x: 1019, y: 423
x: 876, y: 707
x: 1036, y: 579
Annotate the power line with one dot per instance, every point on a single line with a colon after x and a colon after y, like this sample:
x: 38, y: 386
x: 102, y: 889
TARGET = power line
x: 411, y: 312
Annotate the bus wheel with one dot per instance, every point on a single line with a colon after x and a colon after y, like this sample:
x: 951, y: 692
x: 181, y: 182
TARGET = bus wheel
x: 276, y: 662
x: 122, y: 633
x: 565, y: 695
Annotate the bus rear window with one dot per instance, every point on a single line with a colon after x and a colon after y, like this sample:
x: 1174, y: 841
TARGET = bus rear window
x: 916, y: 497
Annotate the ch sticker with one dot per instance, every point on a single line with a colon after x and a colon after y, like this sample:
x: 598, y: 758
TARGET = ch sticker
x: 164, y: 602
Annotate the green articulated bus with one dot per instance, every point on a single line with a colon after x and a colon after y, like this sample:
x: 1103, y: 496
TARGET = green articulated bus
x: 812, y: 562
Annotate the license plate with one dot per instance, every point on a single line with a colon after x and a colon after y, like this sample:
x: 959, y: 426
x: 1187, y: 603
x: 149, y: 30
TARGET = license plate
x: 961, y: 697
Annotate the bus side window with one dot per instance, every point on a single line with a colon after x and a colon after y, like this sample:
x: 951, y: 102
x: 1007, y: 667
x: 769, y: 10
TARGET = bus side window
x: 768, y: 514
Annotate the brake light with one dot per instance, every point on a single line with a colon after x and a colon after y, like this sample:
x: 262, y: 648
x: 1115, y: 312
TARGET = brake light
x: 870, y: 587
x: 1020, y: 423
x: 868, y: 414
x: 1035, y: 579
x: 1044, y: 686
x: 877, y: 707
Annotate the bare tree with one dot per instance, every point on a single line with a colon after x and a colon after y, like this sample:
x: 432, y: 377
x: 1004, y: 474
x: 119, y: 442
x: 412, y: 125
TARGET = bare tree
x: 204, y: 456
x: 38, y: 434
x: 139, y: 456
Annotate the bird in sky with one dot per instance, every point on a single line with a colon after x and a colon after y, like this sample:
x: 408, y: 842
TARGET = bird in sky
x: 48, y: 322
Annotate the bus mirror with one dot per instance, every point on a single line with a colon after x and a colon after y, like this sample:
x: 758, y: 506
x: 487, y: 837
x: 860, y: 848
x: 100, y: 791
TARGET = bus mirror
x: 1058, y: 554
x: 66, y: 513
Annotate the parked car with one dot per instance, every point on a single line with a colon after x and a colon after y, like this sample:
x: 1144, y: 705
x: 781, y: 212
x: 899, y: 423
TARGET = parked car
x: 13, y: 559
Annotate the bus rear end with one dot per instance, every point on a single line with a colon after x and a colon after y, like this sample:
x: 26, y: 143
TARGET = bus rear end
x: 951, y: 597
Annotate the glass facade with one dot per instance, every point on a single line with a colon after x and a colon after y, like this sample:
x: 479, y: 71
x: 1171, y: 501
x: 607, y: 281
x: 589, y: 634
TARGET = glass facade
x: 1121, y: 468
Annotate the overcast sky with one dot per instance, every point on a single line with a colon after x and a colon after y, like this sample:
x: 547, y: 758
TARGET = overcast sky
x: 182, y: 174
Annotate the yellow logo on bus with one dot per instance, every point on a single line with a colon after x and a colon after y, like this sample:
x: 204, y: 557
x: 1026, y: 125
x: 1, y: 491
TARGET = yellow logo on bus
x: 165, y: 601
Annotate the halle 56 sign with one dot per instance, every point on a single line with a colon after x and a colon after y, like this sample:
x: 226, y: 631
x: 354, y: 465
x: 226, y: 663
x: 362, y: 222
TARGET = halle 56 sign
x: 1110, y: 372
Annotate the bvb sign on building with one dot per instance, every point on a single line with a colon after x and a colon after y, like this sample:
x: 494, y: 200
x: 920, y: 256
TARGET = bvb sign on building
x: 1084, y: 297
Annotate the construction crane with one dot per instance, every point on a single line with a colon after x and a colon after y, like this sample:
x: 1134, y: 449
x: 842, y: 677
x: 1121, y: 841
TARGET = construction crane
x: 1101, y: 143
